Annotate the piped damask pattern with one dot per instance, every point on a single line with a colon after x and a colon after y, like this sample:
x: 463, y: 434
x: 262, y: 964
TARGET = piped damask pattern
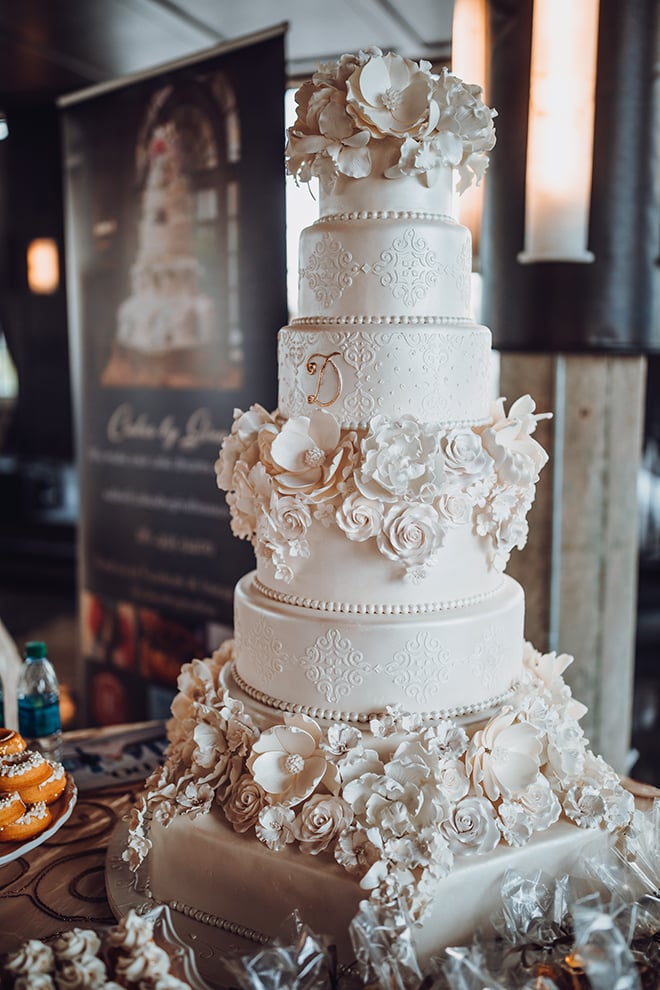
x: 440, y: 374
x: 408, y: 267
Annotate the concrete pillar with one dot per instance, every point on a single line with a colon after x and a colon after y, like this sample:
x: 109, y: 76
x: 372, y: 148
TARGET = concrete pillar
x: 579, y: 569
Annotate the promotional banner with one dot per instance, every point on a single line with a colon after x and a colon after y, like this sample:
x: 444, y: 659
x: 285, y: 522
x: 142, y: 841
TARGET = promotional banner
x: 177, y: 287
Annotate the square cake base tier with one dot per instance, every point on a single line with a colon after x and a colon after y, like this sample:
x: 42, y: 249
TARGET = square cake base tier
x: 204, y: 869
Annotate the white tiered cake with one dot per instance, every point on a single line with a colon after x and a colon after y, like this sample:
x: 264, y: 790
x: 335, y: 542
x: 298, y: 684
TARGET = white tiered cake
x: 166, y: 316
x: 378, y: 708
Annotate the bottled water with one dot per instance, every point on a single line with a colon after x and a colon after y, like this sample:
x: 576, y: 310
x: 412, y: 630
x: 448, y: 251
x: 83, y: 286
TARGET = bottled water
x: 39, y: 702
x: 2, y: 705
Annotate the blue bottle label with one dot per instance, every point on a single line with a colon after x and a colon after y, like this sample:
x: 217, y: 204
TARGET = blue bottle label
x: 38, y: 717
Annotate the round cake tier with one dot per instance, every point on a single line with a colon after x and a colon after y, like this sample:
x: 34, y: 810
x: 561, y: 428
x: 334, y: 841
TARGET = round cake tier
x: 357, y: 369
x: 395, y: 263
x: 342, y: 576
x: 430, y: 193
x: 346, y: 666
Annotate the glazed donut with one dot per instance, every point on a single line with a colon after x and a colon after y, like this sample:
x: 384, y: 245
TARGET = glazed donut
x: 47, y: 790
x: 11, y: 742
x: 22, y: 770
x: 12, y: 807
x: 32, y: 822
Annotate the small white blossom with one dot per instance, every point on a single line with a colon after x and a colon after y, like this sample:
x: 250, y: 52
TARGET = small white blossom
x: 275, y: 826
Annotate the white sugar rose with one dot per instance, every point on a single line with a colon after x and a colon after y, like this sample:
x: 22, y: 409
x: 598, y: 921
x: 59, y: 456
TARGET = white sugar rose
x: 412, y: 535
x: 541, y: 804
x: 275, y: 826
x: 359, y: 517
x: 452, y: 779
x: 515, y: 823
x: 455, y: 509
x: 245, y: 801
x: 465, y: 457
x: 288, y: 763
x: 518, y: 457
x: 503, y: 758
x: 471, y: 827
x: 308, y: 455
x: 289, y: 517
x: 391, y: 95
x: 402, y: 459
x: 320, y: 820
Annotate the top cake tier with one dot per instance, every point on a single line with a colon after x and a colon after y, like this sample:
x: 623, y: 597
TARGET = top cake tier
x: 388, y: 141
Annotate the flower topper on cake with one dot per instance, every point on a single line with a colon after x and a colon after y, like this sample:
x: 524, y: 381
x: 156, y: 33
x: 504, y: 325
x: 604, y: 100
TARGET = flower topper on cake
x: 424, y: 119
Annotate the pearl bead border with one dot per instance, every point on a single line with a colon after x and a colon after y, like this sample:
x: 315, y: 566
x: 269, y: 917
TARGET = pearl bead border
x: 210, y: 919
x: 362, y: 718
x: 407, y: 321
x: 386, y: 215
x: 366, y: 608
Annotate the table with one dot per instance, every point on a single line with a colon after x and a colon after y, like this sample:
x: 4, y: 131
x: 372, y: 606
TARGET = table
x: 61, y: 884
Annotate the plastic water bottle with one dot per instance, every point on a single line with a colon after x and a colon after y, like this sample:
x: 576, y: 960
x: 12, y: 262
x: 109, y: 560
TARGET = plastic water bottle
x: 39, y: 702
x: 2, y: 704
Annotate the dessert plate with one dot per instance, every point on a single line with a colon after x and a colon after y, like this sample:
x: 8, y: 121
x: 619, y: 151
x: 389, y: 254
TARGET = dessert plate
x: 61, y: 812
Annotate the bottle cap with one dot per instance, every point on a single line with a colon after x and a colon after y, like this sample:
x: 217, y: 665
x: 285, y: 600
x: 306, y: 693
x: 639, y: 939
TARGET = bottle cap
x: 36, y: 650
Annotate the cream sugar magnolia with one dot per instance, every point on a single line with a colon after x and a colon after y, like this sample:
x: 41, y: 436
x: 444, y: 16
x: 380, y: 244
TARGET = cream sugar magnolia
x: 378, y: 727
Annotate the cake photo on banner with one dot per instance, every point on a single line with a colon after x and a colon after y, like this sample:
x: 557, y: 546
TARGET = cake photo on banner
x: 167, y: 330
x: 378, y: 729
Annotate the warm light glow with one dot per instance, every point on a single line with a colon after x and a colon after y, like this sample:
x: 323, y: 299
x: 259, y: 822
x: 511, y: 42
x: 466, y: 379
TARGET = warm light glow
x: 43, y: 266
x: 469, y: 61
x: 561, y: 126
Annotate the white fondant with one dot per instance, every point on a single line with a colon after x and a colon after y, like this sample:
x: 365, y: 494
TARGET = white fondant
x: 366, y: 663
x: 391, y: 266
x: 380, y: 195
x: 352, y: 574
x: 437, y: 373
x: 238, y: 879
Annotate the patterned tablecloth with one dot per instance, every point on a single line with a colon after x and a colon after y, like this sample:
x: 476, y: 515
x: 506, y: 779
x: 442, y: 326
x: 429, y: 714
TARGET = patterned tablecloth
x: 60, y: 884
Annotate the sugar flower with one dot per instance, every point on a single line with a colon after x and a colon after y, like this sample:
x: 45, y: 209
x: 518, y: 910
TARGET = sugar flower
x: 287, y: 761
x: 321, y: 819
x: 518, y: 457
x: 402, y: 459
x: 503, y: 758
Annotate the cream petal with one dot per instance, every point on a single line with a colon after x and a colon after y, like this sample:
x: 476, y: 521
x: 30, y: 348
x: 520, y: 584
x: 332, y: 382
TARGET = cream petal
x: 269, y: 771
x: 294, y: 720
x: 516, y: 772
x: 289, y: 448
x: 354, y: 162
x: 374, y: 79
x: 334, y: 122
x: 295, y: 740
x: 324, y: 429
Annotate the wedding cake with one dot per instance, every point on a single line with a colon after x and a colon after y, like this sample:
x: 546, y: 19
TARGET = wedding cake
x: 378, y: 728
x: 165, y: 317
